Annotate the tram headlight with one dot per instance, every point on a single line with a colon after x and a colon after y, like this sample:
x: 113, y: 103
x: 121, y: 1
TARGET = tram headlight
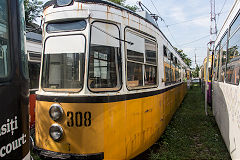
x: 62, y: 3
x: 56, y: 132
x: 56, y: 112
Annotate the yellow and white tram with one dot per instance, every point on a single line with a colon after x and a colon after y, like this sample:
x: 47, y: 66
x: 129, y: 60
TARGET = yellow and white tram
x: 110, y: 81
x: 226, y: 89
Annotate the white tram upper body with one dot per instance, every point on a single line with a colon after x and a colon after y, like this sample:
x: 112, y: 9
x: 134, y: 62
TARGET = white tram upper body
x: 226, y: 91
x: 112, y: 26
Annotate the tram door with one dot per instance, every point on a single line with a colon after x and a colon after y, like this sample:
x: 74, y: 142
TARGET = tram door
x: 14, y: 126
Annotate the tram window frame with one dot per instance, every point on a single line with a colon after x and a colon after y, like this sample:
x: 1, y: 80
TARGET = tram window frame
x: 215, y: 64
x: 222, y: 66
x: 234, y: 25
x: 9, y: 57
x: 63, y: 90
x: 65, y: 23
x: 22, y: 39
x: 145, y: 37
x: 118, y: 65
x: 168, y: 70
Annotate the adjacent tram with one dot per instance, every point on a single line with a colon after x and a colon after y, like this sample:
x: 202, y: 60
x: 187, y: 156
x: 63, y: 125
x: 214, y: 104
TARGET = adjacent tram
x: 110, y: 81
x: 14, y: 119
x: 226, y: 89
x: 207, y: 78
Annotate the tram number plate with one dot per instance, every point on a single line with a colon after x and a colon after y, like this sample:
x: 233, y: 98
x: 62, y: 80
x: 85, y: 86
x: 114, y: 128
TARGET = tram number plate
x: 79, y: 119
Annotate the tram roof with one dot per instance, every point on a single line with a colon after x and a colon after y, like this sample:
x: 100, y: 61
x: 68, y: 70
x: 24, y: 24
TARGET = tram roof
x: 106, y: 2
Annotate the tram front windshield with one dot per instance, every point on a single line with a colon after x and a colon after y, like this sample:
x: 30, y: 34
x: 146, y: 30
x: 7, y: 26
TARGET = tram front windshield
x: 63, y: 63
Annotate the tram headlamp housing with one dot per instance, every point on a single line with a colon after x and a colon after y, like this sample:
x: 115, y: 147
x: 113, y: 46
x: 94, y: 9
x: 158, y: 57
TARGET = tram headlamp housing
x: 56, y: 132
x: 56, y: 112
x: 62, y: 3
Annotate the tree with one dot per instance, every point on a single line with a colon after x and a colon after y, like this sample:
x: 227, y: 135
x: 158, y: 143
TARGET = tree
x: 196, y: 72
x: 122, y: 3
x: 33, y: 9
x: 184, y: 57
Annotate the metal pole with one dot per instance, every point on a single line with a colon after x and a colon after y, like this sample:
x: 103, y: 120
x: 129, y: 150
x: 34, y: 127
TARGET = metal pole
x: 206, y: 81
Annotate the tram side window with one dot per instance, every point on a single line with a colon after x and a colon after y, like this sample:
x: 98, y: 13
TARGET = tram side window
x: 141, y: 61
x: 172, y: 66
x: 233, y: 60
x: 4, y: 41
x: 104, y: 61
x: 151, y: 63
x: 216, y: 55
x: 167, y: 65
x: 223, y: 58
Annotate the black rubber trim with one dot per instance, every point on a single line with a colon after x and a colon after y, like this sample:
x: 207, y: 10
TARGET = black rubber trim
x: 57, y: 155
x: 103, y: 99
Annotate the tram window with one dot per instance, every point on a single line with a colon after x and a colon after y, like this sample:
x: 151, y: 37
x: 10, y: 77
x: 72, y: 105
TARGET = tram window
x: 235, y: 25
x: 4, y: 41
x: 151, y: 58
x: 34, y: 69
x: 66, y: 26
x: 233, y: 60
x: 150, y: 75
x: 142, y: 70
x: 104, y: 61
x: 165, y: 51
x: 135, y: 56
x: 63, y: 65
x: 150, y: 52
x: 222, y: 66
x: 167, y: 67
x: 215, y: 72
x: 134, y: 75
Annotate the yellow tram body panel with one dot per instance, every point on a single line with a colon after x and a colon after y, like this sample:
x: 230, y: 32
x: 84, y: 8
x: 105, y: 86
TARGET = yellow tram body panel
x: 121, y: 130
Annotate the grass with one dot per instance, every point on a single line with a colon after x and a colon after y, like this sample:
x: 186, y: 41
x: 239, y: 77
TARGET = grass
x: 190, y: 135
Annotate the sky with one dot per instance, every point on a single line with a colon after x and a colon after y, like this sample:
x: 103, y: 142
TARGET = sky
x: 188, y: 22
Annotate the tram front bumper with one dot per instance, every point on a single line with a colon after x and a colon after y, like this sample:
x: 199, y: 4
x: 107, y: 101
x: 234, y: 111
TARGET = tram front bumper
x: 56, y: 155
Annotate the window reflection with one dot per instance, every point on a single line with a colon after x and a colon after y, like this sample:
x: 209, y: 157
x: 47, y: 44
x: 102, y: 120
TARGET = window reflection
x: 233, y: 60
x: 135, y: 75
x: 141, y: 61
x: 104, y: 63
x: 4, y: 41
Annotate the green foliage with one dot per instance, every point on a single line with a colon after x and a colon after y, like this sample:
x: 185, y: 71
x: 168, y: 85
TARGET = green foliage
x: 195, y: 73
x: 32, y: 10
x: 122, y: 3
x: 184, y: 57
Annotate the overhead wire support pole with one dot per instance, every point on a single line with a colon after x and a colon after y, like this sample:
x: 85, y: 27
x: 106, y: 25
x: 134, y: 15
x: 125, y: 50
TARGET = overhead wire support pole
x: 213, y: 33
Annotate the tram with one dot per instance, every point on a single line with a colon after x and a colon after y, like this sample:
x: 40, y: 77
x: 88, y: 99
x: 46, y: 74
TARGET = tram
x: 14, y: 119
x: 226, y: 90
x: 110, y: 81
x: 207, y: 78
x: 34, y: 49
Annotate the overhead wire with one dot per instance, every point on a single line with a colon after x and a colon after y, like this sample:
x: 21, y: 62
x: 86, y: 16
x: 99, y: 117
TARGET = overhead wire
x: 195, y: 40
x: 164, y: 23
x: 218, y: 14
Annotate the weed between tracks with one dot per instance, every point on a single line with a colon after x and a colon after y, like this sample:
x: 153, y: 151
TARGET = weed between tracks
x: 190, y: 135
